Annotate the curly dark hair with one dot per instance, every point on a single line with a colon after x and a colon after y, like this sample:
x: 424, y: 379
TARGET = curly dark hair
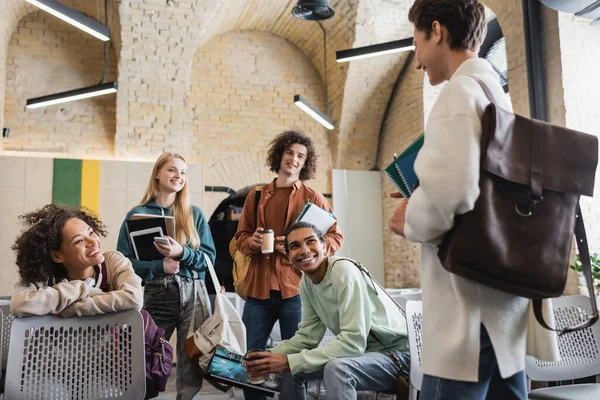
x: 284, y: 141
x: 464, y: 19
x: 42, y: 236
x: 300, y: 225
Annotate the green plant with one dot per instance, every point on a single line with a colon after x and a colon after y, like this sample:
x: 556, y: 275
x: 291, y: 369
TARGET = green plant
x: 595, y: 261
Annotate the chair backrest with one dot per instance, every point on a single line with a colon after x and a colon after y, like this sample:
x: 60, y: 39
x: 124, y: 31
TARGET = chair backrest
x: 579, y: 351
x: 7, y: 319
x: 402, y: 297
x: 414, y: 319
x: 97, y: 357
x: 236, y: 300
x: 1, y: 332
x: 327, y: 337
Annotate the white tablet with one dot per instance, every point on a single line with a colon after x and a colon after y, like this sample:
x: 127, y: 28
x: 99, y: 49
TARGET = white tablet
x: 142, y: 242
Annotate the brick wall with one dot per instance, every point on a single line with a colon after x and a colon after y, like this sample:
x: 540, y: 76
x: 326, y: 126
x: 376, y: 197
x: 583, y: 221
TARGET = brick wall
x: 581, y: 83
x: 403, y: 125
x: 241, y: 96
x: 47, y: 56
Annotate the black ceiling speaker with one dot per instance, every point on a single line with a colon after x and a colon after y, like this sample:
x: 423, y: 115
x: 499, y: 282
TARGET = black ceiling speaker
x: 313, y: 10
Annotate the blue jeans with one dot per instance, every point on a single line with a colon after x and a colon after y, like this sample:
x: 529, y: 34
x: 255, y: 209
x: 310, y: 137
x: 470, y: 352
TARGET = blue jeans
x: 259, y: 317
x: 170, y: 302
x: 490, y: 386
x: 343, y: 377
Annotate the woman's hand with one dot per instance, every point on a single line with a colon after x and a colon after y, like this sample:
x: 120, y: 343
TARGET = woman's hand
x: 170, y: 266
x: 173, y: 249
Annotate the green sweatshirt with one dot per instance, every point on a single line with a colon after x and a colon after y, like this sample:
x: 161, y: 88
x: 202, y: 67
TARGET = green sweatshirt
x: 192, y: 259
x: 347, y: 304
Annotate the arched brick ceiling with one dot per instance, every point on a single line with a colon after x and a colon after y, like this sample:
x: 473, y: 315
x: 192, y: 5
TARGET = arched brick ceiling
x: 358, y: 91
x: 275, y: 17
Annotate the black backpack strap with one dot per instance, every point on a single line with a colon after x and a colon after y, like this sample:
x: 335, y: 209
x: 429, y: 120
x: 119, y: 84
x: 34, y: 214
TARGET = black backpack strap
x: 257, y: 194
x: 584, y: 255
x: 104, y: 275
x: 374, y: 283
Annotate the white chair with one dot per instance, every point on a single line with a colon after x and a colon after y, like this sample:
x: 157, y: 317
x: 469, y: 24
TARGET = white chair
x: 579, y: 351
x: 236, y: 300
x: 7, y: 319
x: 97, y: 357
x: 402, y: 297
x: 315, y: 387
x: 414, y: 319
x: 1, y: 333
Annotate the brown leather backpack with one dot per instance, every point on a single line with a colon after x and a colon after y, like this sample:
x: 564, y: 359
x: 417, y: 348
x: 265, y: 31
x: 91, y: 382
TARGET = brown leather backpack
x: 517, y: 239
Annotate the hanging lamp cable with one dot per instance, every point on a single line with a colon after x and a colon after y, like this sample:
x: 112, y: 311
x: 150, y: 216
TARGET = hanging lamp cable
x: 105, y: 44
x: 325, y: 65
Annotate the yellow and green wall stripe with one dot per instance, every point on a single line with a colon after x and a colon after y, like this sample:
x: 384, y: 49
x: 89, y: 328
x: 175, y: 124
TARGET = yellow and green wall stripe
x: 77, y: 183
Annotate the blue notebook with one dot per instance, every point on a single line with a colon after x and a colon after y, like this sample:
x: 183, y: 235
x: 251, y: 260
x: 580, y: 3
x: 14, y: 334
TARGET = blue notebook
x: 401, y: 171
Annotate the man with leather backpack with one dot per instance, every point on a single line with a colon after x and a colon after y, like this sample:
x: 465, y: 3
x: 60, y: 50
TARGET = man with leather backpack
x: 271, y: 283
x: 485, y: 330
x: 370, y: 348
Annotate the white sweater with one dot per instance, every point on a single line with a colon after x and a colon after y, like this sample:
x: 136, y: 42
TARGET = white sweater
x: 453, y: 307
x: 71, y: 298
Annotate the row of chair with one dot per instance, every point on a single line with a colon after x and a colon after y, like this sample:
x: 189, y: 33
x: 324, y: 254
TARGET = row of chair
x: 103, y: 356
x: 579, y: 353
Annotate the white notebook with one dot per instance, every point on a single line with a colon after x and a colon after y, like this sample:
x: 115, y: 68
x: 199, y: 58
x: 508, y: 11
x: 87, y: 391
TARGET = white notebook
x: 317, y: 216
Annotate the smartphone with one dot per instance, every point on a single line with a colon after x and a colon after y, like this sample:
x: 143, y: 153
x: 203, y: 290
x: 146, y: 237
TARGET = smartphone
x: 162, y: 240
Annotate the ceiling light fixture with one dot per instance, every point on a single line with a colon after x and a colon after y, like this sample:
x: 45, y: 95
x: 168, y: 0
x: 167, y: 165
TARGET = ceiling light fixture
x: 72, y: 95
x: 315, y: 10
x: 313, y: 111
x: 82, y: 93
x: 375, y: 50
x: 74, y: 18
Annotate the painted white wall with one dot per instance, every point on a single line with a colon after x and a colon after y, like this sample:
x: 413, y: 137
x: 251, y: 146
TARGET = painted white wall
x: 357, y: 205
x: 26, y: 184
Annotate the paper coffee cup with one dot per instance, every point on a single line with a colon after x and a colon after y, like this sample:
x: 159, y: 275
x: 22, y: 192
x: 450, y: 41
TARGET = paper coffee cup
x: 268, y: 241
x: 256, y: 380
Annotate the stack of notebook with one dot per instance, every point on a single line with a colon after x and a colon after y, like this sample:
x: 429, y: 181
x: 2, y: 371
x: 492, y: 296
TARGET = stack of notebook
x: 142, y: 229
x: 402, y: 170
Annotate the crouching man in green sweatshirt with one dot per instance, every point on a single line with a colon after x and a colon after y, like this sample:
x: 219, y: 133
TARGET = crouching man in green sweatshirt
x: 336, y: 295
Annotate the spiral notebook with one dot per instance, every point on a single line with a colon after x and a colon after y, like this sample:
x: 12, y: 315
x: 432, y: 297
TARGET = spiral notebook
x: 401, y: 171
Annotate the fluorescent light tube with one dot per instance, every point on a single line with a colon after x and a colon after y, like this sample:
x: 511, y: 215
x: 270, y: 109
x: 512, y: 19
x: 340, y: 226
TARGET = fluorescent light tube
x: 313, y: 111
x: 375, y: 50
x: 71, y: 95
x: 74, y: 18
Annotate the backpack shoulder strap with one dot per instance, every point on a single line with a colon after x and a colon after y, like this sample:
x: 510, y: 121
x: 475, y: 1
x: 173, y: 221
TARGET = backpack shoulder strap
x: 257, y: 194
x: 374, y: 283
x: 584, y: 255
x: 104, y: 277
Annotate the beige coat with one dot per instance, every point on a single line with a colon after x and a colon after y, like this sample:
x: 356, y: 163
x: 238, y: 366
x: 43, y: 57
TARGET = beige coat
x: 454, y: 308
x: 70, y: 298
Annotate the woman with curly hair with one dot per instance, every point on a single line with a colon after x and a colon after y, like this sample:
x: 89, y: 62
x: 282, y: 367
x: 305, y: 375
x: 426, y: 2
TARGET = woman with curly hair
x: 60, y: 271
x: 272, y: 285
x: 169, y: 282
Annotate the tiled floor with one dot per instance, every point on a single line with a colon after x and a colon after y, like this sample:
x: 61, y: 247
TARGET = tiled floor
x: 207, y: 393
x: 210, y: 393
